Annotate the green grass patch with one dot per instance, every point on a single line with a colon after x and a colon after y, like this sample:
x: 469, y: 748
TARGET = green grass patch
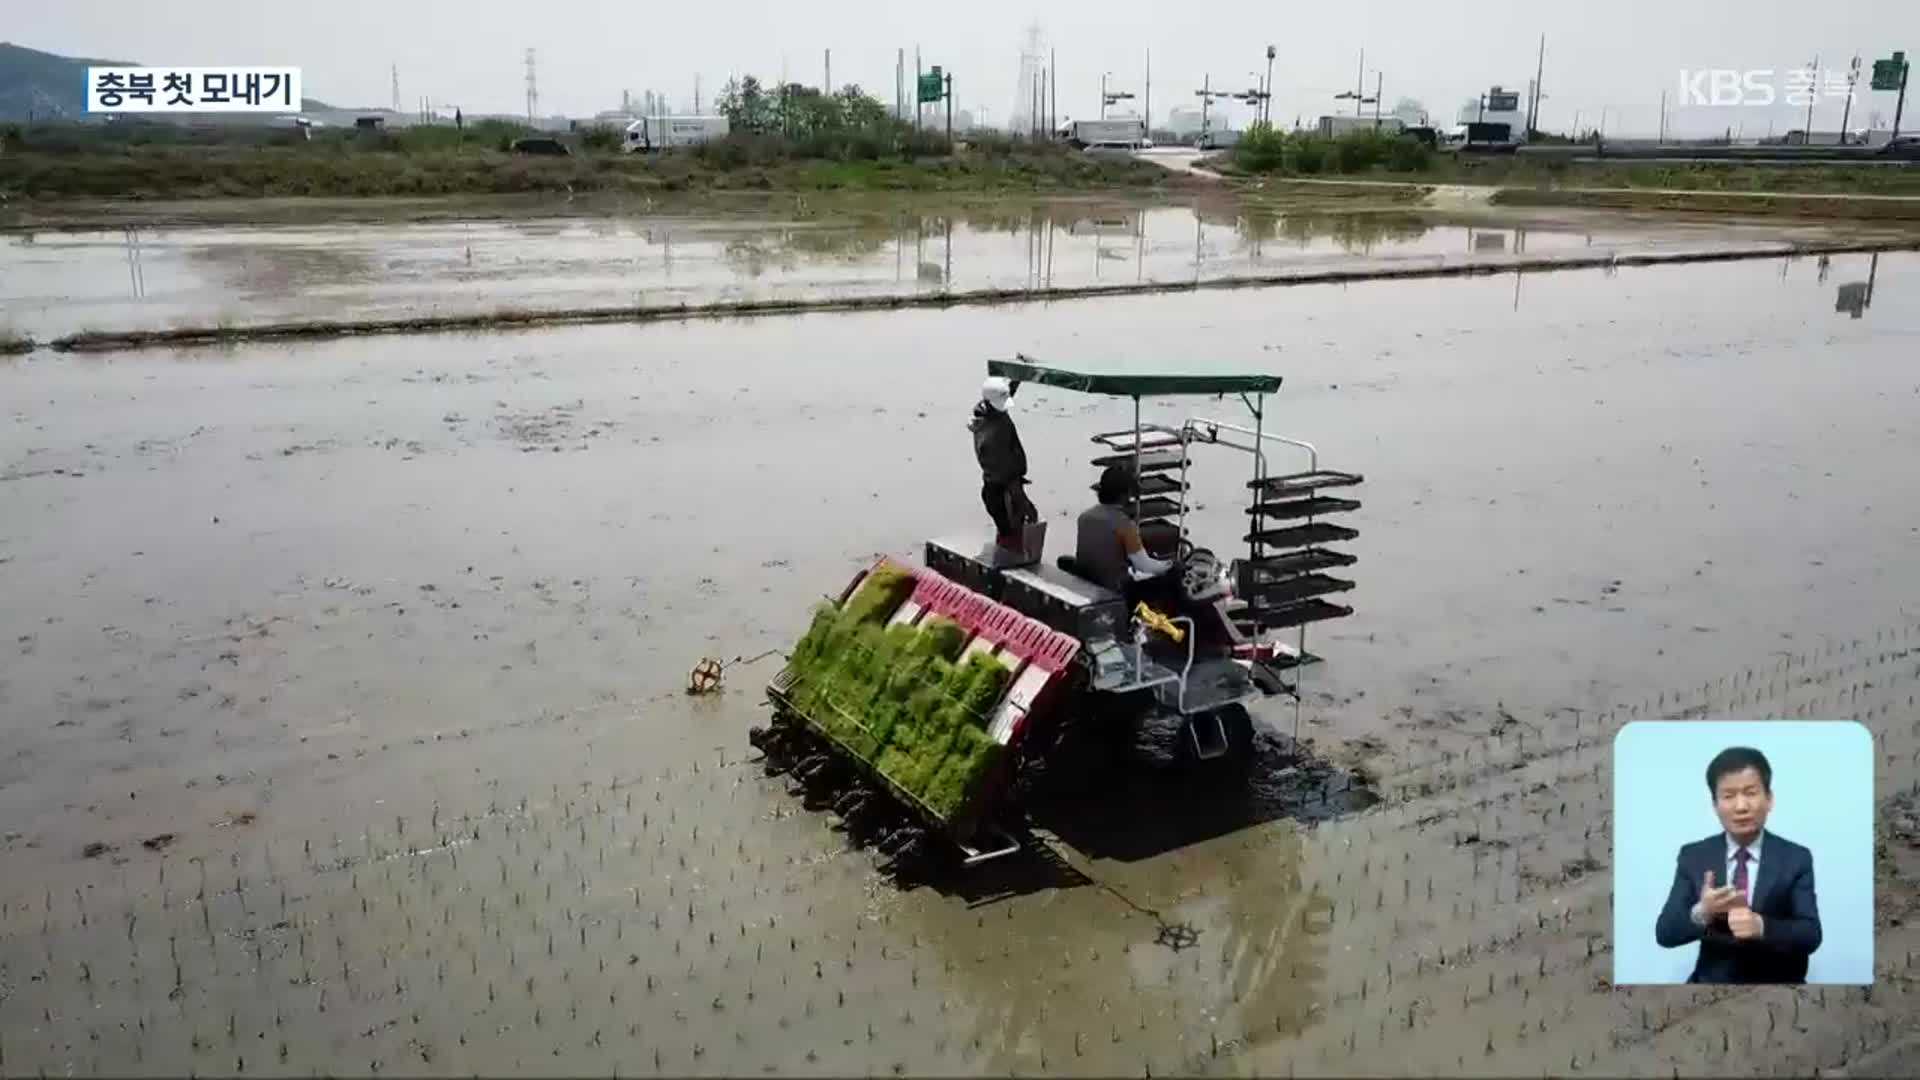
x: 435, y: 161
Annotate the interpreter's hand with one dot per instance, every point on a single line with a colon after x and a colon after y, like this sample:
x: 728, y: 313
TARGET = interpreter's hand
x: 1717, y: 902
x: 1746, y: 924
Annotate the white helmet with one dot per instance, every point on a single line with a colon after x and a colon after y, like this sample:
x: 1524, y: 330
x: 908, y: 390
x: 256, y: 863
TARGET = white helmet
x: 996, y: 392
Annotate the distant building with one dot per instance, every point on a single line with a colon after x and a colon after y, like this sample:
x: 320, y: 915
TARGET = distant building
x: 1184, y: 120
x: 352, y: 118
x: 539, y: 123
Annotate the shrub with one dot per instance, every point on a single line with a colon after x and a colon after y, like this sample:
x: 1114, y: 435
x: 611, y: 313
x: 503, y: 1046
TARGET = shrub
x: 1407, y: 154
x: 601, y: 137
x: 1308, y: 154
x: 1261, y: 148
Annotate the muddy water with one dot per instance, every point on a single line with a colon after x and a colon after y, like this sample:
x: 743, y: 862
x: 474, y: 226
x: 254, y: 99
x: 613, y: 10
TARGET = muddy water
x: 361, y: 663
x: 55, y: 282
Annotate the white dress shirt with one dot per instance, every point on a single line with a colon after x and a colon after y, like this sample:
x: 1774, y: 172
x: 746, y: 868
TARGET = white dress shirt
x: 1732, y: 865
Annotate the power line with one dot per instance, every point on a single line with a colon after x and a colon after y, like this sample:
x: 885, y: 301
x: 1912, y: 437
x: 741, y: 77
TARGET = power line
x: 1028, y: 107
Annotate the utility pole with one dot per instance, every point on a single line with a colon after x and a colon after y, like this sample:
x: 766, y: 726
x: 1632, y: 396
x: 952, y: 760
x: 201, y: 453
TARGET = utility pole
x: 949, y: 106
x: 1103, y: 95
x: 696, y: 93
x: 918, y: 112
x: 1853, y: 77
x: 1901, y: 106
x: 1361, y: 99
x: 1146, y: 102
x: 1266, y: 104
x: 1033, y: 105
x: 826, y: 78
x: 1663, y: 117
x: 899, y: 84
x: 1053, y: 84
x: 1206, y: 94
x: 1813, y: 94
x: 396, y: 88
x: 1539, y: 74
x: 533, y: 90
x: 1360, y: 83
x: 1379, y: 79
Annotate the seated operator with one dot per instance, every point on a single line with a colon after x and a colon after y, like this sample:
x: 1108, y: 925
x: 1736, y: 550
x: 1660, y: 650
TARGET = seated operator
x: 1107, y: 549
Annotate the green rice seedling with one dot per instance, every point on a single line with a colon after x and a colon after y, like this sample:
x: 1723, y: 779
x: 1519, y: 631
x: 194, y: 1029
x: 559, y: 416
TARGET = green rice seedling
x: 944, y: 637
x: 895, y: 762
x: 810, y: 643
x: 927, y: 761
x: 907, y: 676
x: 852, y: 675
x: 886, y: 586
x: 983, y: 680
x: 891, y: 645
x: 878, y: 720
x: 969, y: 760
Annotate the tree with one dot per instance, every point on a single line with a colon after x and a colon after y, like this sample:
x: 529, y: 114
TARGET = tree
x: 861, y: 111
x: 745, y: 105
x: 1410, y: 112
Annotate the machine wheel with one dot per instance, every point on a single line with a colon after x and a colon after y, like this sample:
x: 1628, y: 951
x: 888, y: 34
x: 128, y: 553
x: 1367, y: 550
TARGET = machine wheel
x: 1236, y: 724
x: 1239, y: 725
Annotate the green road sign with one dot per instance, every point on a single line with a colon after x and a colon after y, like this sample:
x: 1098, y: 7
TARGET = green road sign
x: 930, y: 88
x: 1889, y: 74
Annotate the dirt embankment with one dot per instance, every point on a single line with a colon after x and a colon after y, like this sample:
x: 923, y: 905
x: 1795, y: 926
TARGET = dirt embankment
x: 1790, y: 204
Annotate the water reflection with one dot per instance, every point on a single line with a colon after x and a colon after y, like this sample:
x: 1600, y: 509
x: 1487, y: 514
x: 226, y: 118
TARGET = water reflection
x: 1855, y: 297
x: 973, y: 248
x: 58, y: 282
x: 136, y: 269
x: 1066, y: 245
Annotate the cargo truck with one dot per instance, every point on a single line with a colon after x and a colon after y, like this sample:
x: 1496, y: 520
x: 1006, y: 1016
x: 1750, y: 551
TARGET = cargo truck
x: 663, y: 132
x: 1130, y: 133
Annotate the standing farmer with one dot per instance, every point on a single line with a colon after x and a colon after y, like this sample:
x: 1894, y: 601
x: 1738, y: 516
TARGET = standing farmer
x: 1003, y: 465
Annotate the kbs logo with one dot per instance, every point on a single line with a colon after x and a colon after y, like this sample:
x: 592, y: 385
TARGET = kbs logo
x: 1726, y: 86
x: 1760, y: 86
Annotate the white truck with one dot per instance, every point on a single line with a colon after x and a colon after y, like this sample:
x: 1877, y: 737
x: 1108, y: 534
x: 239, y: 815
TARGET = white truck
x: 1341, y: 125
x: 1129, y: 133
x: 662, y: 132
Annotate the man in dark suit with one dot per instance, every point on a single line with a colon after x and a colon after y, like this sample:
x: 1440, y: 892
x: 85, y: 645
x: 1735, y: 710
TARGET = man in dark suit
x: 1760, y: 926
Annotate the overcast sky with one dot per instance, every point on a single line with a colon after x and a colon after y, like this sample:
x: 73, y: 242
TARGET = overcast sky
x: 1618, y: 54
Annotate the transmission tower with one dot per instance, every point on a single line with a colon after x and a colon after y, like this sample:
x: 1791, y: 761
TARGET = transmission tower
x: 1027, y: 105
x: 533, y: 90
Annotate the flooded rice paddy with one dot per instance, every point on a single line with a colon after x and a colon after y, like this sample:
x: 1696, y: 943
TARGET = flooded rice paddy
x: 344, y: 726
x: 145, y: 278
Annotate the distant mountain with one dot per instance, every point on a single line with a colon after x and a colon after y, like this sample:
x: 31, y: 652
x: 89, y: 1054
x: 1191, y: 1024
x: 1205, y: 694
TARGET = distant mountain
x: 42, y: 85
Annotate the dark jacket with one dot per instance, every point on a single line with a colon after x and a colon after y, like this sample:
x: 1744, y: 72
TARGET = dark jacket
x: 996, y: 445
x: 1783, y: 897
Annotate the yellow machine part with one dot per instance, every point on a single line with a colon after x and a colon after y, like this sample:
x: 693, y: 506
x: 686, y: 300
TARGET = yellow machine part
x: 1149, y: 617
